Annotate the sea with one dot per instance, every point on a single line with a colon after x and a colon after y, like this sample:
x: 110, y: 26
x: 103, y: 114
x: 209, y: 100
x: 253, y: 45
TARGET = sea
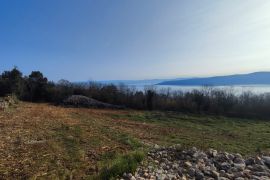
x: 237, y: 89
x: 141, y: 85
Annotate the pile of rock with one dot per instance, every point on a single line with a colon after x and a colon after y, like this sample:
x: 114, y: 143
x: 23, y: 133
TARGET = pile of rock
x: 175, y: 163
x: 83, y: 101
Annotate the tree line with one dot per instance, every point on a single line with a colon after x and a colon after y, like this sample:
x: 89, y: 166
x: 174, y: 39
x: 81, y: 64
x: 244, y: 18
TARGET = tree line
x: 208, y: 100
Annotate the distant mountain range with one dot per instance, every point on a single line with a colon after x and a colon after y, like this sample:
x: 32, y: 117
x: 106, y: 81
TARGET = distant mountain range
x: 238, y: 79
x: 137, y: 82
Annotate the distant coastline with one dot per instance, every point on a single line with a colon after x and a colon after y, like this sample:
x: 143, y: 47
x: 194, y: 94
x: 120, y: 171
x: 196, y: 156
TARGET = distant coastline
x: 256, y: 78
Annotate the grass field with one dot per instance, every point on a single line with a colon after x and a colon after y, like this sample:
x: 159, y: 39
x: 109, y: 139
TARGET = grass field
x: 41, y: 141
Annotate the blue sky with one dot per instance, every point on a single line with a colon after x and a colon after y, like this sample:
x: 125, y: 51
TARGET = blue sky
x: 134, y: 39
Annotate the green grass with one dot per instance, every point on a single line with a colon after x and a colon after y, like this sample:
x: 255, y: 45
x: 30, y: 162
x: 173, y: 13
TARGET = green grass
x: 228, y: 134
x: 243, y: 136
x: 112, y: 163
x: 70, y: 138
x: 121, y: 164
x: 122, y: 138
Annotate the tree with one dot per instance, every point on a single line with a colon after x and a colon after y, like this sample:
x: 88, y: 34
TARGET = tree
x: 37, y: 86
x: 10, y: 82
x: 149, y: 99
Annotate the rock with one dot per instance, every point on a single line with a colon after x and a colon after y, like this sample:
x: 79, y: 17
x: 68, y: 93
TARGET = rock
x: 173, y: 163
x: 187, y: 164
x: 225, y: 166
x: 255, y: 177
x: 191, y: 172
x: 239, y: 161
x: 34, y: 142
x: 230, y: 157
x: 199, y: 175
x: 212, y: 153
x: 171, y: 177
x: 265, y: 178
x: 266, y: 160
x: 238, y: 174
x: 240, y: 166
x: 150, y: 168
x: 258, y: 168
x: 259, y: 160
x: 260, y: 174
x: 83, y: 101
x: 239, y: 156
x: 215, y: 174
x: 129, y: 175
x: 246, y: 173
x: 180, y: 171
x: 175, y: 166
x: 222, y: 173
x: 239, y: 178
x: 223, y: 178
x: 249, y: 161
x: 145, y: 175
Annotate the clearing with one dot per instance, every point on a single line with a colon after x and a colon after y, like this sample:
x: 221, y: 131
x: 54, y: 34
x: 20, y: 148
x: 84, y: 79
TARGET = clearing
x: 42, y: 141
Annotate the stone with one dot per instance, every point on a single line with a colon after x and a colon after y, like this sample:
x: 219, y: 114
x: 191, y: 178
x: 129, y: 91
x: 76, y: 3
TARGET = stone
x: 266, y: 160
x: 239, y: 178
x: 171, y: 177
x: 129, y: 175
x: 258, y: 168
x: 225, y: 166
x: 238, y: 156
x: 215, y: 174
x: 187, y: 164
x: 145, y: 175
x: 259, y: 160
x: 239, y: 160
x: 199, y: 175
x: 191, y: 172
x: 212, y: 152
x: 171, y: 163
x: 255, y: 177
x: 246, y: 173
x: 240, y: 166
x: 249, y: 161
x: 238, y: 174
x: 223, y: 178
x: 175, y: 166
x: 260, y: 174
x: 230, y: 157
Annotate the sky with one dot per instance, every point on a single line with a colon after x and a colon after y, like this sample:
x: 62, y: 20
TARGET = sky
x: 134, y: 39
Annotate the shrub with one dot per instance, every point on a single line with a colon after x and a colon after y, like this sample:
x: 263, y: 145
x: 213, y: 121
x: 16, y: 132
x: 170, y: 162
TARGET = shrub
x: 122, y: 164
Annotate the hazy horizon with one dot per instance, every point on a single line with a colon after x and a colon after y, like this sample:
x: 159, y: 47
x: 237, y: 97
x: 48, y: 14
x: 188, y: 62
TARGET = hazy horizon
x: 135, y: 40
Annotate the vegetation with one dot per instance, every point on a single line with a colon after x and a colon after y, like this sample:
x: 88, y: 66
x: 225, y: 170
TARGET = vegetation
x: 43, y: 141
x: 37, y: 88
x: 40, y: 140
x: 122, y: 164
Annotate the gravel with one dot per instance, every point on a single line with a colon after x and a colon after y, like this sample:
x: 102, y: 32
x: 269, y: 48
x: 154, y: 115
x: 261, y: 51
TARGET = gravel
x: 165, y: 163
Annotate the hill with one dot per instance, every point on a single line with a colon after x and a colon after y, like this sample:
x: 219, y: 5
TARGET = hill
x: 239, y: 79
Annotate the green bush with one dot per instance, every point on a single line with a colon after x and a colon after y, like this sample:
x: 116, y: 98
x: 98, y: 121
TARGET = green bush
x: 125, y: 163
